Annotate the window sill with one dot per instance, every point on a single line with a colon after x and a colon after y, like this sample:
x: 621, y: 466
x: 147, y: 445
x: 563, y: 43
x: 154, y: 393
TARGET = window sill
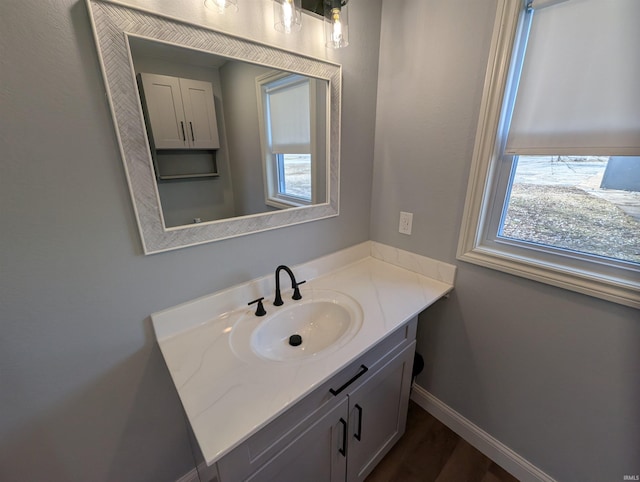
x: 610, y: 288
x: 282, y: 203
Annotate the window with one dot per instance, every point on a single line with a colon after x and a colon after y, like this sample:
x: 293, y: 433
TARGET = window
x: 554, y: 193
x: 287, y: 109
x: 294, y: 175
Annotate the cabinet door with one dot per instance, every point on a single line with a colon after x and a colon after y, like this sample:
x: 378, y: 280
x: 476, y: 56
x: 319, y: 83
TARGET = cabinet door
x: 200, y: 114
x: 378, y: 414
x: 165, y: 113
x: 318, y: 454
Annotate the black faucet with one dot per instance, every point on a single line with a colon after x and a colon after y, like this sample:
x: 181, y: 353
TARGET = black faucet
x: 294, y: 285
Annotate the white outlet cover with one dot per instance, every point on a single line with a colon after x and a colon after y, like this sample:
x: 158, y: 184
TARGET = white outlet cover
x: 406, y: 221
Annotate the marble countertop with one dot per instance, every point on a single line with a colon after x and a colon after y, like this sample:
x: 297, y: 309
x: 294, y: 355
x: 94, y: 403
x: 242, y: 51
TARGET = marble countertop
x: 227, y: 395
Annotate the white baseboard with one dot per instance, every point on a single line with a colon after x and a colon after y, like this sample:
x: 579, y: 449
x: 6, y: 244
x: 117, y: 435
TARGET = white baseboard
x: 506, y: 458
x: 191, y: 476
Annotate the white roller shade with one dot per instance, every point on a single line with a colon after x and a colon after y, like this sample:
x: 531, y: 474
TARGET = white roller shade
x: 580, y: 86
x: 289, y: 118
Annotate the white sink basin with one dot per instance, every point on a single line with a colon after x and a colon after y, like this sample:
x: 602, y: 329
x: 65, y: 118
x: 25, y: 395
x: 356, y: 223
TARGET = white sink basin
x: 324, y: 320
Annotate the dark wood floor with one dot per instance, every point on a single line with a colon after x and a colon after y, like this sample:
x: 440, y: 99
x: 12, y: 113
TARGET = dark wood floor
x: 430, y: 452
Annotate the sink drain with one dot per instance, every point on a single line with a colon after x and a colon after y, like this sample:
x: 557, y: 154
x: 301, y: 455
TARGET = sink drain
x: 295, y: 340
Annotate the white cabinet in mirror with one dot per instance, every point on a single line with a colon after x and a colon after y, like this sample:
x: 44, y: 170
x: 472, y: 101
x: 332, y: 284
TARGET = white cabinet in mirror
x: 231, y: 186
x: 183, y: 137
x: 181, y: 112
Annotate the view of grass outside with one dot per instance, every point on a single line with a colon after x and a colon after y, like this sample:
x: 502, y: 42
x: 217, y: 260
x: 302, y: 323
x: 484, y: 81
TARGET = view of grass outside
x: 557, y: 201
x: 297, y: 175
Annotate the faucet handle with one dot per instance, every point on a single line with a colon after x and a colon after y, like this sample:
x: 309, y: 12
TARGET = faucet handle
x: 260, y: 311
x: 296, y: 291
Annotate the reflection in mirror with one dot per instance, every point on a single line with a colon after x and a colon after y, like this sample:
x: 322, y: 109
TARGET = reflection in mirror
x: 211, y: 161
x: 269, y: 126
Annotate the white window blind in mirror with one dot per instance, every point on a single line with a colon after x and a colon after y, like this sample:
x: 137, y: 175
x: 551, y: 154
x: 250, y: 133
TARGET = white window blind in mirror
x: 578, y: 93
x: 289, y: 117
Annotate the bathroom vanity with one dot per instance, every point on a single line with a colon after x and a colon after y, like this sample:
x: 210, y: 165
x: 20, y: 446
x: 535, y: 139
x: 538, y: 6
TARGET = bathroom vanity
x: 327, y: 409
x: 342, y: 429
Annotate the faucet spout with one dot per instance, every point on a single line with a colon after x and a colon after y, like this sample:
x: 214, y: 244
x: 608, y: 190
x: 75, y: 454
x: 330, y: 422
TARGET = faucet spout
x: 294, y: 285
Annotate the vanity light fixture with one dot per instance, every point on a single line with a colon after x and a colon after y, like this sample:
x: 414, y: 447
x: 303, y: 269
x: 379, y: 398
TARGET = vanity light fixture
x: 287, y: 15
x: 336, y: 23
x: 221, y: 6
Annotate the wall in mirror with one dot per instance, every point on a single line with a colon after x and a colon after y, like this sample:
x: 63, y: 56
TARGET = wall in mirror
x: 275, y: 159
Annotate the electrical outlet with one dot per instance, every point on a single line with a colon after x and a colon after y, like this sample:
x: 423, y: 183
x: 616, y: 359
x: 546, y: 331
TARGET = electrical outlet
x: 406, y: 220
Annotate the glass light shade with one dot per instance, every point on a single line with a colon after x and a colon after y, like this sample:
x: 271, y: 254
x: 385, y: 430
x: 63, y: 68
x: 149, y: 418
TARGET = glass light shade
x: 336, y: 25
x: 221, y: 6
x: 287, y: 15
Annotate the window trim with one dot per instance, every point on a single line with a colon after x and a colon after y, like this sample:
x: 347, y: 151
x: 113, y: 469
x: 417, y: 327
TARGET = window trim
x: 565, y: 271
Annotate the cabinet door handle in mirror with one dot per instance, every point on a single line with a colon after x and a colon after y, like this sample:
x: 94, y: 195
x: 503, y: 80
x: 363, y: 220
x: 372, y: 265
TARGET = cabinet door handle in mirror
x: 343, y: 449
x: 184, y: 137
x: 358, y: 434
x: 362, y: 371
x: 193, y: 139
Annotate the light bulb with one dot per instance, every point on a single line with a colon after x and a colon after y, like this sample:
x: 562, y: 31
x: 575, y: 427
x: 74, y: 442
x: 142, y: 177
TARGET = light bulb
x: 336, y: 25
x: 336, y: 34
x: 287, y: 15
x: 221, y: 6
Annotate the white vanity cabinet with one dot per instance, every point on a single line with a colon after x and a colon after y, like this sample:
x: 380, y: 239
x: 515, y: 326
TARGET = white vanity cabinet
x: 318, y: 453
x: 341, y: 430
x: 377, y: 414
x: 181, y: 112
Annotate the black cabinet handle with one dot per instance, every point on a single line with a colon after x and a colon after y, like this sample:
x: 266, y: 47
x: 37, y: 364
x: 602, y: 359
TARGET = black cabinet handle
x: 362, y: 371
x: 343, y: 450
x: 191, y: 127
x: 184, y: 138
x: 358, y: 435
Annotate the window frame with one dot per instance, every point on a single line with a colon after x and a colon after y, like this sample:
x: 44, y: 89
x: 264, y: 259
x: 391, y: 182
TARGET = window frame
x: 489, y: 182
x: 271, y: 167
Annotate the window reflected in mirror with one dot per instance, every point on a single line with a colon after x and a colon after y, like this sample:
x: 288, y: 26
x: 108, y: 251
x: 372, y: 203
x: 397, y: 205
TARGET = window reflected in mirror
x: 292, y: 159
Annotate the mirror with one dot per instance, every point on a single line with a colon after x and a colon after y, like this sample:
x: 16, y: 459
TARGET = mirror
x: 241, y: 175
x: 250, y: 175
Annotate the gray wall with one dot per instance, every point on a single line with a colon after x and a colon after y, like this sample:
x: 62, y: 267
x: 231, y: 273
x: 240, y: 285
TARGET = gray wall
x: 243, y: 133
x: 85, y: 395
x: 552, y: 374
